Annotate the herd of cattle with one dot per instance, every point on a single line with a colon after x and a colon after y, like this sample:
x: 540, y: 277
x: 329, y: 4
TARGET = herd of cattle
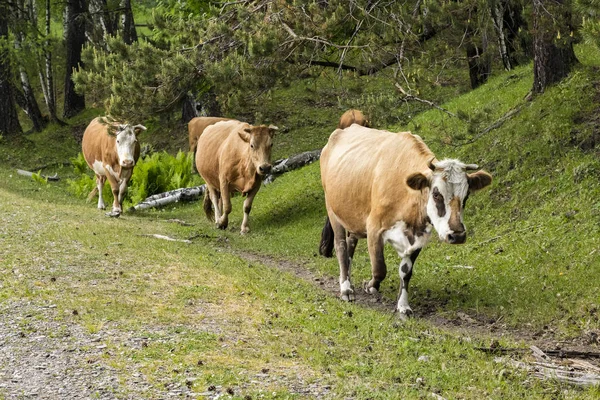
x: 383, y: 186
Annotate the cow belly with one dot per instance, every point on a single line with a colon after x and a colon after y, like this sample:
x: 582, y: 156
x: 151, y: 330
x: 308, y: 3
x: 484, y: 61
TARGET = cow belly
x: 98, y: 168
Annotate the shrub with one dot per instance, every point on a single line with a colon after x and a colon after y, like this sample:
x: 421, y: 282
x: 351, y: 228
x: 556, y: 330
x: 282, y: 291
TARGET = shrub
x: 155, y: 173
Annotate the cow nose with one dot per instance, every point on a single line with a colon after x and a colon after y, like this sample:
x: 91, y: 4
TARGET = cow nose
x: 457, y: 237
x: 264, y: 169
x: 127, y: 163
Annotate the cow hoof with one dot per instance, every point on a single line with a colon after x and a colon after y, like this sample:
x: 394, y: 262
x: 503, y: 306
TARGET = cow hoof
x: 348, y: 297
x: 370, y: 290
x: 405, y: 313
x: 113, y: 214
x: 244, y: 231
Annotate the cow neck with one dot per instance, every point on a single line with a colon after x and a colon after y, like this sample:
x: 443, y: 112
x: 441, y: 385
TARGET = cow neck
x: 248, y: 171
x: 420, y: 219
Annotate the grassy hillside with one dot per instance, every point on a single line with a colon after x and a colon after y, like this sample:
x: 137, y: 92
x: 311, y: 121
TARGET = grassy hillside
x: 253, y: 314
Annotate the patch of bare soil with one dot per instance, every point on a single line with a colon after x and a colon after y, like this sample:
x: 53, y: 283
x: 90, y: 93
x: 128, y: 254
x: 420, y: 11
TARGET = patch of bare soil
x: 43, y: 356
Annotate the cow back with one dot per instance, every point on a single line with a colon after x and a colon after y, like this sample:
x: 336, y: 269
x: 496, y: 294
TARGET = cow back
x: 98, y: 145
x: 352, y: 117
x: 197, y: 126
x: 220, y: 150
x: 364, y: 173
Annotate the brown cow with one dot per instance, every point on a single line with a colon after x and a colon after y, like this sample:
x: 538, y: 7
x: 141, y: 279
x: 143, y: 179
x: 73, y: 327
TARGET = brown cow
x: 111, y: 149
x: 233, y: 156
x: 197, y: 125
x: 389, y: 188
x: 352, y: 117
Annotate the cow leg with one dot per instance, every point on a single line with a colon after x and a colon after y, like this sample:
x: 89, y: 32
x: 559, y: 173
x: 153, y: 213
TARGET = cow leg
x: 100, y: 180
x: 213, y: 194
x: 247, y: 208
x: 125, y: 176
x: 351, y: 241
x: 378, y: 268
x: 223, y: 220
x: 406, y: 267
x: 115, y: 186
x: 341, y: 251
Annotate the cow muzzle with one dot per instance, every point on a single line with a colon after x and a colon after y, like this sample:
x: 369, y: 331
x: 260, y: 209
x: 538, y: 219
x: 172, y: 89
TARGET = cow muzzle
x: 264, y: 169
x: 127, y: 163
x: 457, y: 237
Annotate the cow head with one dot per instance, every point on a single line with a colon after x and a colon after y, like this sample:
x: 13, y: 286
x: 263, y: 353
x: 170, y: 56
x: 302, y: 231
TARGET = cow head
x: 126, y: 139
x: 449, y: 186
x: 260, y: 141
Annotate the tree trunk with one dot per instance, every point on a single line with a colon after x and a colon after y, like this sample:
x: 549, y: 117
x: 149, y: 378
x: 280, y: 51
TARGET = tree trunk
x: 9, y: 120
x: 47, y: 79
x: 479, y: 63
x: 188, y: 109
x: 25, y: 12
x: 498, y: 10
x: 74, y: 41
x: 127, y: 23
x: 552, y: 42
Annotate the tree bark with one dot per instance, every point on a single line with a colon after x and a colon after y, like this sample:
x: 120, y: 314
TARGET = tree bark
x: 498, y: 11
x: 552, y: 42
x: 127, y: 23
x: 74, y: 41
x: 9, y: 120
x: 188, y: 110
x: 47, y: 77
x: 479, y: 63
x: 25, y: 12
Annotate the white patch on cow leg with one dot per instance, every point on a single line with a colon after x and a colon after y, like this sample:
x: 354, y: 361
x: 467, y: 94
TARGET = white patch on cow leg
x: 100, y: 187
x: 346, y: 290
x: 112, y: 172
x: 214, y: 198
x: 405, y: 271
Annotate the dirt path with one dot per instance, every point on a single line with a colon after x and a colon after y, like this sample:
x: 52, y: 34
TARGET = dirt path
x: 461, y: 325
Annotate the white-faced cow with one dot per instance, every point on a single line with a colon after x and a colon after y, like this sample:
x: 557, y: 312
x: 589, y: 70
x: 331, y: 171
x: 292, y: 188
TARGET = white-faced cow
x: 352, y: 117
x: 111, y: 149
x: 233, y: 156
x: 389, y: 188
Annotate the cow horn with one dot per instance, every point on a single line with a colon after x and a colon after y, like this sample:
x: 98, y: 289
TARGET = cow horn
x: 139, y: 126
x: 431, y: 165
x: 273, y: 128
x: 471, y: 167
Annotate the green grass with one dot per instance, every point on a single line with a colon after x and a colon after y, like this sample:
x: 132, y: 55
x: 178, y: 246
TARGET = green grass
x: 197, y: 302
x: 534, y: 245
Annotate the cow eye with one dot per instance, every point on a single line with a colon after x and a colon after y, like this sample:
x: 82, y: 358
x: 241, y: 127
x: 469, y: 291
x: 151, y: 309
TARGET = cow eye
x: 251, y: 146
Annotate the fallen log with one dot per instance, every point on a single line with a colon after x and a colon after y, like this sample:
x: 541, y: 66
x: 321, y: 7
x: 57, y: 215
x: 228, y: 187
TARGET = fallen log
x: 53, y: 178
x: 177, y: 195
x: 291, y: 163
x: 168, y: 238
x: 194, y: 193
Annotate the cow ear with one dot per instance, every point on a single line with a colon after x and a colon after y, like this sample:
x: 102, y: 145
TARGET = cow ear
x: 272, y: 130
x: 245, y: 134
x: 138, y: 129
x: 417, y: 181
x: 479, y: 180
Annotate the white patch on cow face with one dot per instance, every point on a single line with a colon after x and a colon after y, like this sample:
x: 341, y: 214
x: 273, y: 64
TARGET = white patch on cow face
x: 396, y: 236
x: 448, y: 182
x: 126, y: 142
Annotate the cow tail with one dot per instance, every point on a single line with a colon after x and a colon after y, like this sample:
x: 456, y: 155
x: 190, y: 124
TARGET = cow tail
x: 208, y: 210
x: 326, y: 246
x: 92, y: 193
